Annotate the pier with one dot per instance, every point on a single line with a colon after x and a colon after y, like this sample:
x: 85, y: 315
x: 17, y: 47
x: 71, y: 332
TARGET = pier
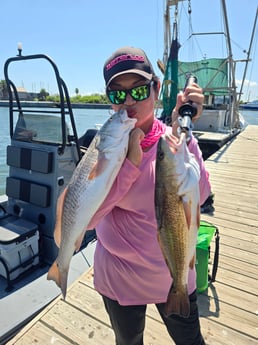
x: 229, y: 307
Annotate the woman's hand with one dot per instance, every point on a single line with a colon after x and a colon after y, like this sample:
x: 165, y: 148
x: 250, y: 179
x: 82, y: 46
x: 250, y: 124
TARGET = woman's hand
x: 192, y: 93
x: 134, y: 153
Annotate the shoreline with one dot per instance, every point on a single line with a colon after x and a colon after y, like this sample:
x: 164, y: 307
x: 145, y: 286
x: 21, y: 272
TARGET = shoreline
x: 45, y: 104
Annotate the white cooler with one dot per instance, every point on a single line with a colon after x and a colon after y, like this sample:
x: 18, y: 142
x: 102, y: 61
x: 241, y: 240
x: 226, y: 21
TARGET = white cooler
x: 19, y: 247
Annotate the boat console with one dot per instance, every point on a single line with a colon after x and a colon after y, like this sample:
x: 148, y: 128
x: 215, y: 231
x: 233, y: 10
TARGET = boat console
x: 43, y: 153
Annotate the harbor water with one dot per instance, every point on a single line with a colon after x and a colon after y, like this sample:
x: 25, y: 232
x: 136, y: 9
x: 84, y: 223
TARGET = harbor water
x: 84, y: 119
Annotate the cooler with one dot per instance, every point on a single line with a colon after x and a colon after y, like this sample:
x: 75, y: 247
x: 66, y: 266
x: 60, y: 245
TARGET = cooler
x: 205, y: 235
x: 18, y: 246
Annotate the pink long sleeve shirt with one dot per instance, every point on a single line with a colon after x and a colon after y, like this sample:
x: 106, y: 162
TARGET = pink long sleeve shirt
x: 128, y: 265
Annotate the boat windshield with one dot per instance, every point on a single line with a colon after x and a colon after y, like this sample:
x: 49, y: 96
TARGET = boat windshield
x: 39, y: 128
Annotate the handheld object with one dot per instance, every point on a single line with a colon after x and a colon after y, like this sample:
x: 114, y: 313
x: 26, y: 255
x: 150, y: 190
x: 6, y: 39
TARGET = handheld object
x: 187, y: 111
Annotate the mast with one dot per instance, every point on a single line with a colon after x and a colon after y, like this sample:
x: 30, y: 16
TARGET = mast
x: 232, y: 81
x: 167, y: 27
x: 170, y: 62
x: 248, y: 55
x: 167, y: 33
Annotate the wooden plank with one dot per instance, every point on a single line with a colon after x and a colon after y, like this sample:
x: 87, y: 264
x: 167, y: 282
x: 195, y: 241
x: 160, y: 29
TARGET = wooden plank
x: 219, y: 292
x: 76, y: 326
x: 236, y: 171
x: 242, y: 283
x: 243, y: 215
x: 243, y: 233
x: 249, y: 191
x: 216, y: 333
x: 233, y: 317
x: 40, y: 334
x: 93, y: 305
x: 226, y: 262
x: 232, y: 297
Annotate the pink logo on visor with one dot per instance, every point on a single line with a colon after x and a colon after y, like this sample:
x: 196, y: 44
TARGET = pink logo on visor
x: 125, y: 57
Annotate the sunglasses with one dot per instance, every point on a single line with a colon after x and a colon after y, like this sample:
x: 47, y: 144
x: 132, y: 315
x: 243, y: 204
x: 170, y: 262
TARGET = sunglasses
x: 138, y: 93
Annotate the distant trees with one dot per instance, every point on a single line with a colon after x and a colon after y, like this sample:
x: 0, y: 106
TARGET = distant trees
x: 43, y: 94
x: 94, y: 98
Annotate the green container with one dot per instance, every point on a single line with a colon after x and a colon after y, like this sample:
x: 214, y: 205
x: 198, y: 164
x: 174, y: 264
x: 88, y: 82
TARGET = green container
x: 205, y: 235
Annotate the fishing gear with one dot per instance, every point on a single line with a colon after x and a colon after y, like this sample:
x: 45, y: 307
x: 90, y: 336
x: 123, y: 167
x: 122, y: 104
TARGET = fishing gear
x: 187, y: 111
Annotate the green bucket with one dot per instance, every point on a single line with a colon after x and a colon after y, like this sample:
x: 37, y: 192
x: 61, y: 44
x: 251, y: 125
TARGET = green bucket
x: 205, y: 234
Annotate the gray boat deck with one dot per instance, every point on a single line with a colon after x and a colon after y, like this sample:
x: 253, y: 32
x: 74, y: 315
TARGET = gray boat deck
x: 229, y: 308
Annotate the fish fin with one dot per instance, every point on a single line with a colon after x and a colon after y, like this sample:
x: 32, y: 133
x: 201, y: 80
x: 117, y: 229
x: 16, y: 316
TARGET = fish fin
x: 54, y: 274
x: 59, y: 213
x: 178, y: 303
x: 79, y: 241
x: 98, y: 168
x: 192, y: 262
x: 162, y: 248
x: 60, y: 278
x: 187, y: 209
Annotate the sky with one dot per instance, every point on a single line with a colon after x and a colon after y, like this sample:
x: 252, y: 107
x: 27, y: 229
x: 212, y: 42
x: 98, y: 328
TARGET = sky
x: 79, y: 35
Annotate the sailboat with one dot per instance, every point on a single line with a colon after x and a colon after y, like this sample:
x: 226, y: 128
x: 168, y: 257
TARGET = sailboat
x: 221, y: 119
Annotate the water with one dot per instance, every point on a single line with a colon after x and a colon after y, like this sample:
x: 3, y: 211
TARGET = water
x: 84, y: 119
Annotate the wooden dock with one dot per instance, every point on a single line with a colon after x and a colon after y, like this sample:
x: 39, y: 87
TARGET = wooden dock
x: 229, y: 308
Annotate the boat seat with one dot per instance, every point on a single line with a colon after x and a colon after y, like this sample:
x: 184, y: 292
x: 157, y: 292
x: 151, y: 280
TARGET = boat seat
x: 30, y: 159
x: 38, y: 173
x: 27, y: 191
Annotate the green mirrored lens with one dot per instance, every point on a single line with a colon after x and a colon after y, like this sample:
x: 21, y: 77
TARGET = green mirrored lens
x: 120, y: 96
x: 140, y: 93
x: 117, y: 96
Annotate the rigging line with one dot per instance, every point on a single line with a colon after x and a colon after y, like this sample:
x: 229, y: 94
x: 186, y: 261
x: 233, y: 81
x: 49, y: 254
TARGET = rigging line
x: 191, y: 43
x: 249, y: 83
x: 190, y: 26
x: 194, y: 38
x: 158, y: 16
x: 249, y: 52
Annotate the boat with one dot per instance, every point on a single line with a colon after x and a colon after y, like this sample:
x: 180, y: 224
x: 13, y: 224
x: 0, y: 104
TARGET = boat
x: 43, y: 152
x: 221, y: 119
x: 253, y: 105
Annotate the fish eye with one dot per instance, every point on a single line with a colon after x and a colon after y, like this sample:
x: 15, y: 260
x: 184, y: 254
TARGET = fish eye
x: 161, y: 155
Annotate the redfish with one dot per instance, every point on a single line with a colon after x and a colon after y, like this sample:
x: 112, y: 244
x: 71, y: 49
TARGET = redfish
x: 178, y: 216
x: 87, y: 189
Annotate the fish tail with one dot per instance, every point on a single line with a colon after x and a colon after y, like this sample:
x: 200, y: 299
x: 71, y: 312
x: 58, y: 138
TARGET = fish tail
x: 60, y: 278
x: 178, y: 303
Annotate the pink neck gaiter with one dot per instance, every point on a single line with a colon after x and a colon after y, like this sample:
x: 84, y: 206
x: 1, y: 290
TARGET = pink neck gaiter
x: 158, y: 128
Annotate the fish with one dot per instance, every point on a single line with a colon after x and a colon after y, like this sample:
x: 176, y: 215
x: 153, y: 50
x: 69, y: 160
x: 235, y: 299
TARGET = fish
x: 177, y: 208
x: 89, y: 185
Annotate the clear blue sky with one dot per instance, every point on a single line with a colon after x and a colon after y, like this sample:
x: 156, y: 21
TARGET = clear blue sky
x: 79, y: 35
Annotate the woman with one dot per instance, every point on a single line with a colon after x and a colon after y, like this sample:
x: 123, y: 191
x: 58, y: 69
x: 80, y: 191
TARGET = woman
x: 129, y: 268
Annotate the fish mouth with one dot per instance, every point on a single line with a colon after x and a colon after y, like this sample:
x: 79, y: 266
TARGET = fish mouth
x: 126, y: 117
x: 131, y: 113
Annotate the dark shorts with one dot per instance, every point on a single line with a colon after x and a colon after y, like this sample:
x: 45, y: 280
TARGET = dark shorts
x: 128, y: 323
